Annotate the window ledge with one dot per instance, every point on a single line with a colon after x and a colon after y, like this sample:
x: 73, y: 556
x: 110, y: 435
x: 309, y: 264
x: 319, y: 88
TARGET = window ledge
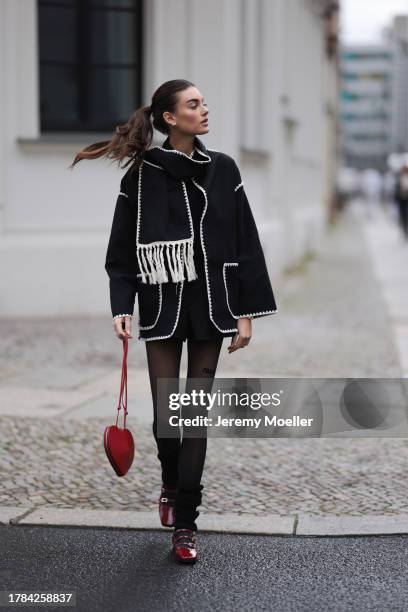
x: 66, y: 140
x: 75, y: 139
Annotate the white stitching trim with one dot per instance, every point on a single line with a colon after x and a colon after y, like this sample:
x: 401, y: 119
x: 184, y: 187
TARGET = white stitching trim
x: 138, y: 202
x: 252, y: 314
x: 197, y: 161
x: 158, y: 314
x: 199, y: 152
x: 151, y: 164
x: 240, y: 185
x: 124, y: 194
x: 232, y: 263
x: 122, y: 315
x: 188, y: 211
x: 161, y: 167
x: 234, y: 329
x: 164, y: 242
x: 176, y: 321
x: 249, y: 314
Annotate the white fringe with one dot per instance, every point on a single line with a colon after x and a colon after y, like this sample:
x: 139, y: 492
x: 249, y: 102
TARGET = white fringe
x: 179, y: 255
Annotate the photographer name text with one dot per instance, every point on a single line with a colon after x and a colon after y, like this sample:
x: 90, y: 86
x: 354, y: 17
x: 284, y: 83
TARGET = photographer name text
x: 266, y: 420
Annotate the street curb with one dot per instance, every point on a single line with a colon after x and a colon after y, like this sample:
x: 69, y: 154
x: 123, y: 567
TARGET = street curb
x: 294, y: 525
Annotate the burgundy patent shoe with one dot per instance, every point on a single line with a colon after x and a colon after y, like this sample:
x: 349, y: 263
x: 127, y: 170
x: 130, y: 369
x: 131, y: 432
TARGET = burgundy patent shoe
x: 166, y: 505
x: 184, y: 548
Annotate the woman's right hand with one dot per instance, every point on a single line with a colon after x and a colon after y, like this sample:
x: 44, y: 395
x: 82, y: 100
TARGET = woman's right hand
x: 120, y: 332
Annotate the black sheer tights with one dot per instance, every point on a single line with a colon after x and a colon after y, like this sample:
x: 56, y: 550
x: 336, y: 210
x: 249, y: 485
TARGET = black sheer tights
x: 182, y: 459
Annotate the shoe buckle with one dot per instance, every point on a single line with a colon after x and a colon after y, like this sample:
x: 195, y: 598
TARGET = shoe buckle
x: 184, y: 539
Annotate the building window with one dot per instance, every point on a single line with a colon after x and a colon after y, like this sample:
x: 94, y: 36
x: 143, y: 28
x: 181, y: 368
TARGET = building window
x: 90, y: 54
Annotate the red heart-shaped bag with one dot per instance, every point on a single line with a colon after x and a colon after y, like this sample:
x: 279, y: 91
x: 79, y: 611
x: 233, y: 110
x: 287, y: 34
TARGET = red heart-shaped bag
x: 118, y: 443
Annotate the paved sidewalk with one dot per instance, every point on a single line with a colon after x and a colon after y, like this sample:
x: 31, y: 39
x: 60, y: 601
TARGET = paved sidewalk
x: 389, y: 252
x: 343, y: 316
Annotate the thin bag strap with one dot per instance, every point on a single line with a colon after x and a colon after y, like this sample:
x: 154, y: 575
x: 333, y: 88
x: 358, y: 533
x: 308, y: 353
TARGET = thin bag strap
x: 123, y: 385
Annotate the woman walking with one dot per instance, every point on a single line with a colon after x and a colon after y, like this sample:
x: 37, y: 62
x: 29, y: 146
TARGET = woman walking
x: 183, y: 240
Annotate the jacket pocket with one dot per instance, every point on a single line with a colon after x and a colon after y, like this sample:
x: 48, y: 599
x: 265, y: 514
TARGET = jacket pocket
x: 150, y: 303
x: 230, y: 273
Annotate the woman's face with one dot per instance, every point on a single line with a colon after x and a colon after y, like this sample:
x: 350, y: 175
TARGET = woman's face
x: 190, y: 113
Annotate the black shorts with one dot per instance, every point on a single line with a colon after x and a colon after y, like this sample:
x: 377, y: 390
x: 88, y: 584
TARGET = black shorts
x: 194, y: 319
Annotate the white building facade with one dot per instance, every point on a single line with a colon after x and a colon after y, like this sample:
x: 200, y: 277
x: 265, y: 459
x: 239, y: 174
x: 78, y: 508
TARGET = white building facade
x: 269, y: 75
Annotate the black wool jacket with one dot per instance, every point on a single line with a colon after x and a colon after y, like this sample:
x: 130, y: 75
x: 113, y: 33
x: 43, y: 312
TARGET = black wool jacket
x: 151, y: 246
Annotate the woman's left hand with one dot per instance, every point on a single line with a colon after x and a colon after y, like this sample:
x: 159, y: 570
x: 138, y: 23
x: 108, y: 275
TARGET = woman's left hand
x: 243, y: 336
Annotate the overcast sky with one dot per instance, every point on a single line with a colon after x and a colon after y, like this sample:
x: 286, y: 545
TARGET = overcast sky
x: 362, y: 20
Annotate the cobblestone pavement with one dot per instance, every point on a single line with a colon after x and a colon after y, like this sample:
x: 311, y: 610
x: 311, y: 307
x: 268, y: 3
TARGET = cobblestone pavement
x: 332, y: 322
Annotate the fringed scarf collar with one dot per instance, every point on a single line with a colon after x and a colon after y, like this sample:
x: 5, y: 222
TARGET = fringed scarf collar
x: 165, y: 233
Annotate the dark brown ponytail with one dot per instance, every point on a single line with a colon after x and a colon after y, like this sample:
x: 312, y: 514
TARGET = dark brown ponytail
x: 134, y: 137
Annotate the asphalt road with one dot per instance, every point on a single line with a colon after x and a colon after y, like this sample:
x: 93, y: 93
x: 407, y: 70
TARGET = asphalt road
x: 127, y: 570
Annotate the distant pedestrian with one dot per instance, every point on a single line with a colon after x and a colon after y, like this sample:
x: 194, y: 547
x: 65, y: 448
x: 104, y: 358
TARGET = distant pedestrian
x: 401, y: 197
x: 389, y: 185
x: 371, y: 187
